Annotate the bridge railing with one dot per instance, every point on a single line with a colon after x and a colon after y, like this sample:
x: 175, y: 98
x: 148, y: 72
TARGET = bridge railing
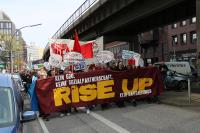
x: 76, y: 15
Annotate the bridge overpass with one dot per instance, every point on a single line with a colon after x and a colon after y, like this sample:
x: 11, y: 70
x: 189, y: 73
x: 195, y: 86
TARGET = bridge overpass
x: 122, y: 20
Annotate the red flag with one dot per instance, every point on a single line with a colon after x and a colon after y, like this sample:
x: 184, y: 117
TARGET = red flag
x: 77, y: 47
x: 87, y: 50
x: 131, y: 61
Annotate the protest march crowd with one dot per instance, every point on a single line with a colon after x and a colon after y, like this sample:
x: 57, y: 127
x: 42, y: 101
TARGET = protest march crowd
x: 61, y: 87
x: 31, y: 78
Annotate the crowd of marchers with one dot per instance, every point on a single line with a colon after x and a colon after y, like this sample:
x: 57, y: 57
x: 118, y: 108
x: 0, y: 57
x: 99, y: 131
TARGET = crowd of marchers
x: 30, y: 78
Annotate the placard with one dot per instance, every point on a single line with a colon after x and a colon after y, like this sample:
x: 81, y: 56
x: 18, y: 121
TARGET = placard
x: 105, y: 56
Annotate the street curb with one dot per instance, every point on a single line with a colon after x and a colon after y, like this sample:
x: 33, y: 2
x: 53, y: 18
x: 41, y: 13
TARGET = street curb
x: 180, y: 99
x: 181, y: 105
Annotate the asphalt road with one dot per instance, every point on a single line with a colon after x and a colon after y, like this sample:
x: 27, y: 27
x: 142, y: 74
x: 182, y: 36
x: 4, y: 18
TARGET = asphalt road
x: 195, y: 87
x: 144, y: 118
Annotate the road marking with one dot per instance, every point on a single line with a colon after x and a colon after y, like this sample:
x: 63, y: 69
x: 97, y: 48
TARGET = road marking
x: 44, y: 128
x: 109, y: 123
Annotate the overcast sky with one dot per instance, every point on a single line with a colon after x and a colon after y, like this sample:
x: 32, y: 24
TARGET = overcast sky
x: 51, y: 13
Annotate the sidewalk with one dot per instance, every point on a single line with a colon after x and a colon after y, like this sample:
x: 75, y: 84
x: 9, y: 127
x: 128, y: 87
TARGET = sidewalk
x: 32, y: 126
x: 195, y: 86
x: 27, y: 105
x: 181, y: 99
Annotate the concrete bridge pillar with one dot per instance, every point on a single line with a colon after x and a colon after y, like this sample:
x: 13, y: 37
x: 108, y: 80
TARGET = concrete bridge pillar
x: 134, y: 44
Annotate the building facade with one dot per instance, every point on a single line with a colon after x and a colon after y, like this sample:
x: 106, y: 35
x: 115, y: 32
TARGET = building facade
x: 174, y: 42
x: 7, y: 28
x: 182, y: 40
x: 34, y: 53
x: 11, y: 39
x: 154, y: 45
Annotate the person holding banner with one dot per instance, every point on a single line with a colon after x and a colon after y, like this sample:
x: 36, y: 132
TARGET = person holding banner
x: 105, y: 67
x: 88, y: 108
x: 120, y: 67
x: 113, y: 66
x: 42, y: 74
x: 54, y: 72
x: 68, y: 70
x: 91, y: 67
x: 131, y: 64
x: 32, y: 92
x: 131, y: 67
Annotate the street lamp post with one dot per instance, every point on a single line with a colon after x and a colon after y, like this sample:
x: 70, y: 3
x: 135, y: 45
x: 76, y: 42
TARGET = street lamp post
x: 174, y: 50
x: 11, y: 52
x: 29, y: 60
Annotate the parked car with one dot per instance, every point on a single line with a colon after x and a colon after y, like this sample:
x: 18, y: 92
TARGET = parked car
x: 11, y: 106
x: 177, y: 81
x: 182, y: 67
x: 173, y: 79
x: 18, y: 79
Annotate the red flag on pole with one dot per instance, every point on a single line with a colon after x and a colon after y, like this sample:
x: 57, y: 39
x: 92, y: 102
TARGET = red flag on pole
x: 131, y: 61
x: 77, y: 47
x: 87, y: 50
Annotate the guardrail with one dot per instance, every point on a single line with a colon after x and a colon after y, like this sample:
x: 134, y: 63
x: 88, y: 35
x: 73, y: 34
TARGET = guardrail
x: 76, y: 15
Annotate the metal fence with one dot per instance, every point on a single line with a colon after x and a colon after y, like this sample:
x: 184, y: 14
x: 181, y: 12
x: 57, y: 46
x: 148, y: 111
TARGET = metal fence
x: 76, y: 15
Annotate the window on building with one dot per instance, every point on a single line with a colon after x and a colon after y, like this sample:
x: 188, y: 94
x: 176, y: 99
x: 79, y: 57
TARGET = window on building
x: 193, y: 20
x: 174, y: 40
x: 183, y: 23
x: 1, y: 25
x: 184, y: 38
x: 174, y: 25
x: 193, y: 37
x: 10, y: 31
x: 10, y: 26
x: 5, y: 25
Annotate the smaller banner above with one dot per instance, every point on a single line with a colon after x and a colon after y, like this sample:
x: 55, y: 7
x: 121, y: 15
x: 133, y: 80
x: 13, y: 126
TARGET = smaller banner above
x: 126, y: 54
x: 79, y: 66
x: 65, y: 64
x: 73, y: 58
x: 132, y: 57
x: 47, y: 65
x: 136, y: 57
x: 105, y: 56
x: 141, y: 62
x: 55, y: 60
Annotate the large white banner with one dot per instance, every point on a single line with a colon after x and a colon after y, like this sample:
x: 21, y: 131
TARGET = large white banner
x: 61, y: 47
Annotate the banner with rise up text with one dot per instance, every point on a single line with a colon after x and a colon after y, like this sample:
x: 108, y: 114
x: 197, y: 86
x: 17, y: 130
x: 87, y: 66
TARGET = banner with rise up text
x: 96, y: 87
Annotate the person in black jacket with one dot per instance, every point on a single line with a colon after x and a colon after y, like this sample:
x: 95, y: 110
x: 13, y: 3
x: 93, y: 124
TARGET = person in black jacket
x: 163, y: 69
x: 120, y: 67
